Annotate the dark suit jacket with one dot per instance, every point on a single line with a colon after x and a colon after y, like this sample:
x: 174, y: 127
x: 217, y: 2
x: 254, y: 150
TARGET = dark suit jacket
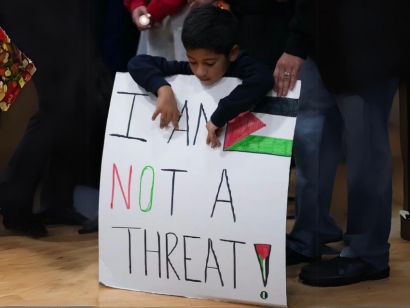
x: 264, y: 29
x: 355, y: 43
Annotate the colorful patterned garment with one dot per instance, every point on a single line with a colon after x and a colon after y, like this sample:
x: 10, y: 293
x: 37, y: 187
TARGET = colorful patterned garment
x: 15, y: 71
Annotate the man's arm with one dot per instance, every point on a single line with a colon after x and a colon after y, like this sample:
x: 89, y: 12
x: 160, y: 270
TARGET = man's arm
x: 297, y: 43
x: 150, y: 72
x: 296, y: 50
x: 257, y: 81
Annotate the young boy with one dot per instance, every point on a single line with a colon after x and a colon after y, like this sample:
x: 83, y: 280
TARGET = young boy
x: 209, y: 37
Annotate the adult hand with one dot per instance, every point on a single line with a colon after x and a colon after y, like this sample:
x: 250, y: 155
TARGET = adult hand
x: 195, y: 3
x: 136, y: 14
x: 286, y: 73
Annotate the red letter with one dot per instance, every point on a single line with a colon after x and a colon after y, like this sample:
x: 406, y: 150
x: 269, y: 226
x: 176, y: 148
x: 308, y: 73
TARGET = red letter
x: 114, y: 174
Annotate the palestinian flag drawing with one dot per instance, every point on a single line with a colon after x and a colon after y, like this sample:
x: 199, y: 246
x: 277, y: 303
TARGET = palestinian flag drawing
x: 263, y: 254
x: 267, y: 129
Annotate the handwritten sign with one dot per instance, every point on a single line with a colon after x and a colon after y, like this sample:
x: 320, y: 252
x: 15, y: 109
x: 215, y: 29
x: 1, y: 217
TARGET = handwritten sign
x: 180, y: 218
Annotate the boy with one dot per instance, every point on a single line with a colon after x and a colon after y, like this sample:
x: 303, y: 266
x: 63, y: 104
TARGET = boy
x: 209, y: 37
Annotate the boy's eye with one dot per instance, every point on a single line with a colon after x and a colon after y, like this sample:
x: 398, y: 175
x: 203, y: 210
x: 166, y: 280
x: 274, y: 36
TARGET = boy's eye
x: 192, y: 63
x: 210, y: 64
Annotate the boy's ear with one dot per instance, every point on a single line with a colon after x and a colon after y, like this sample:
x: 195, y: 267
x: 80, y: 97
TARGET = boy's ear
x: 233, y: 55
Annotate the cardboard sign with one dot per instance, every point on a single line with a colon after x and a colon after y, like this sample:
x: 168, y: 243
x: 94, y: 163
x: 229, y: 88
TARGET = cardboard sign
x: 180, y: 218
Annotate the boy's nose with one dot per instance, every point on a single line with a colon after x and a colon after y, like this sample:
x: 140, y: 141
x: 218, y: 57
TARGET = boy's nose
x: 201, y: 72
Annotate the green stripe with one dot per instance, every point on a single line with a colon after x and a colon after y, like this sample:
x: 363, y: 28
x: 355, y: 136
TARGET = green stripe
x: 263, y: 145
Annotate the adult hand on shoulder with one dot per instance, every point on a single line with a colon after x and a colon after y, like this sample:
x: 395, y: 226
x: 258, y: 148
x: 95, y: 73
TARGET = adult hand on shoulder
x: 168, y: 108
x: 136, y: 14
x: 286, y: 73
x: 213, y: 133
x: 195, y: 3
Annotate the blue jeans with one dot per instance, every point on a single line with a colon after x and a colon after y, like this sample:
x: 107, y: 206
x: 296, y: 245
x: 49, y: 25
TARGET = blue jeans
x: 323, y: 119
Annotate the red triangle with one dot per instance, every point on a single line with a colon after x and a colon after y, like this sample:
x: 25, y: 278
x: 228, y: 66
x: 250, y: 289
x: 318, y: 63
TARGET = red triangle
x: 240, y: 127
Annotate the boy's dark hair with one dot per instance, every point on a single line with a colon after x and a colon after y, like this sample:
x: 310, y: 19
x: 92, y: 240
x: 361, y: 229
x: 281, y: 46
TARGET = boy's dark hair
x: 210, y: 27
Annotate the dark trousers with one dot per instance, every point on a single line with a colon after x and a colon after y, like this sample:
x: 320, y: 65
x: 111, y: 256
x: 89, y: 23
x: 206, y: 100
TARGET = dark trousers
x: 61, y: 37
x: 323, y: 118
x: 404, y: 139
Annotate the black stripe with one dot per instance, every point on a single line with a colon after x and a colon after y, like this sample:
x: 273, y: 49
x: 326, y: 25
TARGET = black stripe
x: 280, y: 106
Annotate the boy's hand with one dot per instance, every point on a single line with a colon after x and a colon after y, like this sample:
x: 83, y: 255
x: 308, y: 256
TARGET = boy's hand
x: 167, y: 107
x: 213, y: 133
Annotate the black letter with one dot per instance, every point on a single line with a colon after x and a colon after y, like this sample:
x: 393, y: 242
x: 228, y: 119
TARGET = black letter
x: 187, y: 124
x: 169, y: 253
x: 155, y: 251
x: 129, y: 244
x: 201, y: 111
x: 173, y: 186
x: 185, y: 258
x: 127, y: 136
x: 224, y: 172
x: 211, y: 248
x: 234, y: 259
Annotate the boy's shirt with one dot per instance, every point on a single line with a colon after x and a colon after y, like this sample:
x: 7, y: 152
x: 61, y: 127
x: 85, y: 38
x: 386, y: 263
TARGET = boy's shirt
x: 257, y: 80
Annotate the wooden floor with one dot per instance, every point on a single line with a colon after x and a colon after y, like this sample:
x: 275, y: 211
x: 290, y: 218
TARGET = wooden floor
x: 62, y: 269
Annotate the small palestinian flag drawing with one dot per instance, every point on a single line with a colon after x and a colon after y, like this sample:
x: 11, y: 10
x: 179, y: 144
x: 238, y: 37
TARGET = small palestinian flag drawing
x: 267, y: 129
x: 263, y: 254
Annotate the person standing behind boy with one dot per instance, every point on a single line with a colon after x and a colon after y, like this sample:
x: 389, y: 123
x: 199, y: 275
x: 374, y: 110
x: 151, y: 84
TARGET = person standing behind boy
x: 163, y: 37
x: 209, y: 61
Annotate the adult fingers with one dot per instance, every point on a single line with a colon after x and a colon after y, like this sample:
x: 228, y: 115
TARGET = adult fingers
x: 281, y: 82
x: 276, y: 79
x: 286, y: 81
x: 293, y: 79
x: 294, y: 76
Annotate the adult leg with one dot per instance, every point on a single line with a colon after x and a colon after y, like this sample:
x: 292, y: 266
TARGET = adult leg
x: 52, y: 53
x: 369, y: 172
x: 317, y: 150
x: 369, y: 175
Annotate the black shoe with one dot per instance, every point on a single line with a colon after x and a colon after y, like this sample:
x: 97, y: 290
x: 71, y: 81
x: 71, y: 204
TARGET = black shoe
x: 68, y: 216
x: 293, y: 258
x: 31, y: 226
x: 340, y: 272
x: 90, y: 226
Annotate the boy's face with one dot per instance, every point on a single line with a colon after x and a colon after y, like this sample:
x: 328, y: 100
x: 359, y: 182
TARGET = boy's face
x: 208, y: 66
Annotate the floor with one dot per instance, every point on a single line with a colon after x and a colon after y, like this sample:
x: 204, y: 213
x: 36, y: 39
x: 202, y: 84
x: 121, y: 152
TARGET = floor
x: 62, y: 269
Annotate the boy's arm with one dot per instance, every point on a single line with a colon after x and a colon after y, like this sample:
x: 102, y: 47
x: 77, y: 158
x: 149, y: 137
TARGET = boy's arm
x: 150, y: 72
x: 257, y: 81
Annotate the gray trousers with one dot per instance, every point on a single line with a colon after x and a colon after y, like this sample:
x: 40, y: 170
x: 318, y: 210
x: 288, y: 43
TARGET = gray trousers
x: 322, y: 121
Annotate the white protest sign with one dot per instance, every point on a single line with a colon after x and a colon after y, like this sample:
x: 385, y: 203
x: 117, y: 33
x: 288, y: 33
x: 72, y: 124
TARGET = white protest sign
x: 180, y: 218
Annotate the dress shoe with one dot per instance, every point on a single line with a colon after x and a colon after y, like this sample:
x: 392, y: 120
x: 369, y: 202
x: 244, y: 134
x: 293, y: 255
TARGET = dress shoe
x: 293, y: 258
x: 68, y: 216
x: 31, y: 226
x: 341, y: 271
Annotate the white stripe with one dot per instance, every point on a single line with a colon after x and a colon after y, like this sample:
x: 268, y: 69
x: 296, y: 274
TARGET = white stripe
x: 295, y: 93
x: 276, y: 126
